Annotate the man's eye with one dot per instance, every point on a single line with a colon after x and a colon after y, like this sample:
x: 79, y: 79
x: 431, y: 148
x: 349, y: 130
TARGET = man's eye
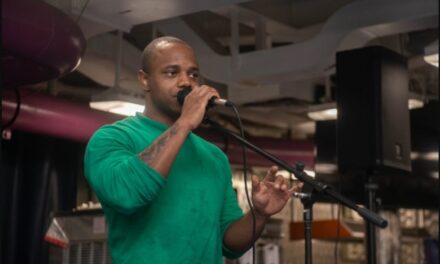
x: 194, y: 75
x: 170, y: 73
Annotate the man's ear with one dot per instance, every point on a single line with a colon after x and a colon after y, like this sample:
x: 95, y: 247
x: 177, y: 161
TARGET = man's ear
x: 143, y: 79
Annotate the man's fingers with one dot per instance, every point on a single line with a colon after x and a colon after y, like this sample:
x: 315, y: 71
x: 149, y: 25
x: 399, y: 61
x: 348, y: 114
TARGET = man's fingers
x: 284, y: 186
x: 296, y: 187
x: 255, y: 183
x: 208, y: 92
x: 205, y: 92
x: 279, y: 181
x: 270, y: 176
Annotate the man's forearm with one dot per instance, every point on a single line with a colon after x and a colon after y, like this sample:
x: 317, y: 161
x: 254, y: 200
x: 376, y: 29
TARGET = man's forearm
x: 238, y: 237
x: 161, y: 154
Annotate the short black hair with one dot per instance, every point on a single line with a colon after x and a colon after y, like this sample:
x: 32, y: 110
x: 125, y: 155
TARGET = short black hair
x: 151, y: 47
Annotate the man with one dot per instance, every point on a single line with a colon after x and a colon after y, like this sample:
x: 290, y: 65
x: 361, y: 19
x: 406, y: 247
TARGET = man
x: 167, y: 193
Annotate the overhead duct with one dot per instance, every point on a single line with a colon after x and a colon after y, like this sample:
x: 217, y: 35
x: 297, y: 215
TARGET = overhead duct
x: 123, y: 15
x: 39, y: 43
x: 350, y: 27
x: 266, y: 71
x: 43, y: 114
x: 47, y: 115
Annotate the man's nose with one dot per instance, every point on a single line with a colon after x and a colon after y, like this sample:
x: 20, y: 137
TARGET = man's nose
x: 184, y: 81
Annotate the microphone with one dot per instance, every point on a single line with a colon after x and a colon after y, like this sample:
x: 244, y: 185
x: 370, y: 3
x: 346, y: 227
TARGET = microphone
x: 214, y: 101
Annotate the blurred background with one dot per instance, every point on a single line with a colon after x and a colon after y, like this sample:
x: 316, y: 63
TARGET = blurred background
x: 348, y: 88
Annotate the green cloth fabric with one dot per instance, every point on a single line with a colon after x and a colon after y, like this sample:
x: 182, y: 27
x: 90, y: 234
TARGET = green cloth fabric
x: 152, y: 219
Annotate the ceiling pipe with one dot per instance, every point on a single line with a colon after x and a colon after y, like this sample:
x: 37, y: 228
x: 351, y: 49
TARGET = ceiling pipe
x: 312, y: 58
x: 123, y: 15
x: 48, y: 115
x: 352, y: 26
x: 52, y: 116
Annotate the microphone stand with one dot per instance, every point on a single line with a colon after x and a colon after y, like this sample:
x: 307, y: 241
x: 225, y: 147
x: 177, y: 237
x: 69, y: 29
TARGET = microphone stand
x: 307, y: 199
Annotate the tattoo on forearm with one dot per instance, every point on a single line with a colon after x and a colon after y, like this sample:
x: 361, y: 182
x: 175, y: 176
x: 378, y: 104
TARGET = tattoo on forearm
x: 150, y: 153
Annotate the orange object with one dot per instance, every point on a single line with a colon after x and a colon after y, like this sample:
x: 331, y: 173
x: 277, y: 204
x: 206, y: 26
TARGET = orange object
x: 323, y: 229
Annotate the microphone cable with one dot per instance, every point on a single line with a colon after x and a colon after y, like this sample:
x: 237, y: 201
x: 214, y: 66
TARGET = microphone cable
x: 16, y: 112
x: 180, y: 98
x: 244, y: 157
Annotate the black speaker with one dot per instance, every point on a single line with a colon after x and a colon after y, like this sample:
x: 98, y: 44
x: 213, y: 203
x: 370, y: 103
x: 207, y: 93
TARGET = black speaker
x: 373, y: 129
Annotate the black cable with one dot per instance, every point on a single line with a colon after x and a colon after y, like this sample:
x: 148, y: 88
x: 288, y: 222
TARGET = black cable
x: 82, y: 11
x: 292, y: 205
x: 245, y: 183
x: 16, y: 112
x: 338, y: 217
x: 337, y: 235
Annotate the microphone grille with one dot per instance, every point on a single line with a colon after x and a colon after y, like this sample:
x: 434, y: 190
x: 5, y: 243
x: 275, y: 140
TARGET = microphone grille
x: 182, y: 94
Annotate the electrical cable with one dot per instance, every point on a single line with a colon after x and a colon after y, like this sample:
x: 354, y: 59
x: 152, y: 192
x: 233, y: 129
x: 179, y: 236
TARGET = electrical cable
x: 181, y: 97
x: 338, y: 217
x: 16, y: 112
x: 245, y: 182
x: 82, y: 11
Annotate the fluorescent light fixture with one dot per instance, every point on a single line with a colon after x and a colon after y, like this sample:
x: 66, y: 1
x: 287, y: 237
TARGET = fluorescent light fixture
x: 431, y: 53
x: 328, y: 111
x: 415, y: 155
x: 327, y: 168
x: 432, y: 59
x: 415, y: 103
x: 431, y: 156
x: 328, y: 114
x: 322, y: 112
x: 118, y: 103
x: 118, y: 107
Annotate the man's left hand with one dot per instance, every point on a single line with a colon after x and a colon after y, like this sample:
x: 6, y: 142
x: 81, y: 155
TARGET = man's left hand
x: 271, y: 194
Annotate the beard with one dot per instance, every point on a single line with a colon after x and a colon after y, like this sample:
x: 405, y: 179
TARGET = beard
x: 167, y: 110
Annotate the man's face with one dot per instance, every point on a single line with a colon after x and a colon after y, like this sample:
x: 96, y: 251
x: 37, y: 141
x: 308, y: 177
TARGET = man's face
x: 172, y: 67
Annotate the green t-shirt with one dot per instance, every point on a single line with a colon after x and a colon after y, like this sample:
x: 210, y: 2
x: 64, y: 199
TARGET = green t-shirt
x: 152, y: 219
